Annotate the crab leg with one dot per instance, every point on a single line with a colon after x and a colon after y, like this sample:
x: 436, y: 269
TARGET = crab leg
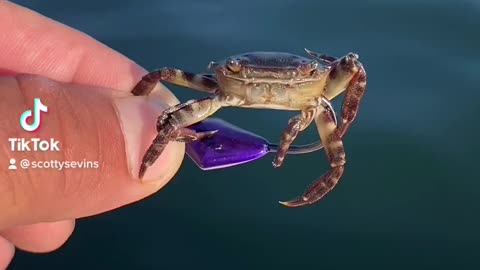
x: 348, y: 74
x: 174, y: 132
x: 295, y: 125
x: 172, y: 123
x: 336, y: 156
x: 307, y: 148
x: 200, y: 82
x: 351, y: 102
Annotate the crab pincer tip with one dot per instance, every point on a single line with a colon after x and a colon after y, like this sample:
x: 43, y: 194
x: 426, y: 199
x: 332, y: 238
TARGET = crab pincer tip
x: 295, y: 203
x: 283, y: 203
x: 208, y: 134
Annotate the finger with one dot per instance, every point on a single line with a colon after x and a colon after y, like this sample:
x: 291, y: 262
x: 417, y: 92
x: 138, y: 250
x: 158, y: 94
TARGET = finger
x: 85, y: 122
x: 6, y: 252
x: 40, y: 237
x: 32, y: 43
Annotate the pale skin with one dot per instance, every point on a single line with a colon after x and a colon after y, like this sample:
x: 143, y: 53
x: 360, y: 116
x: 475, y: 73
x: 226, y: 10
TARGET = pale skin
x: 38, y: 209
x: 269, y: 80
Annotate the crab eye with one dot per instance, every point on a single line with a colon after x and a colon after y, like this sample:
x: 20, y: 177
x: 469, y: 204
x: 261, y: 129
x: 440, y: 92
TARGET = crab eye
x: 309, y: 68
x: 233, y: 65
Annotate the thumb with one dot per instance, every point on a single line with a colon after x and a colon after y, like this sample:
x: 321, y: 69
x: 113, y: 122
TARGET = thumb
x: 102, y: 135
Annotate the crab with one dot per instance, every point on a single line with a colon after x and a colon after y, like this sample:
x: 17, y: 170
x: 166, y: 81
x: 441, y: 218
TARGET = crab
x: 267, y: 80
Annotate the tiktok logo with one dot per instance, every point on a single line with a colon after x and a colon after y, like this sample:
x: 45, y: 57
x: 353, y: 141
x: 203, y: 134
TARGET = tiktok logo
x: 38, y: 107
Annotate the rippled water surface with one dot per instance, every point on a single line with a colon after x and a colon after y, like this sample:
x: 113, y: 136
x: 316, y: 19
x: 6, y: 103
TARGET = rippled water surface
x: 409, y: 197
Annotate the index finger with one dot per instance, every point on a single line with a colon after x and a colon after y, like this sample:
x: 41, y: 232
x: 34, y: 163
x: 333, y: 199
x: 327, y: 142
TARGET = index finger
x: 32, y: 43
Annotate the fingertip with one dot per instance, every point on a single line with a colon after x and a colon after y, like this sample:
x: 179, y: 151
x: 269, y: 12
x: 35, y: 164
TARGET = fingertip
x: 138, y: 117
x: 7, y: 250
x: 83, y: 119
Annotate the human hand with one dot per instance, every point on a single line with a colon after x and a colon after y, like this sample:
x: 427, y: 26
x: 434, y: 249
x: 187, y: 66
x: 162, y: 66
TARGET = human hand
x: 38, y: 207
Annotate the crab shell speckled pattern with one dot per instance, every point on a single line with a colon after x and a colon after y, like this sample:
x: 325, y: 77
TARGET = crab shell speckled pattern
x: 272, y: 80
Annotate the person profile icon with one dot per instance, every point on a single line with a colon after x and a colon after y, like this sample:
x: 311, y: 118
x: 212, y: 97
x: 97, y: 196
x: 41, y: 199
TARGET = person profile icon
x: 12, y: 164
